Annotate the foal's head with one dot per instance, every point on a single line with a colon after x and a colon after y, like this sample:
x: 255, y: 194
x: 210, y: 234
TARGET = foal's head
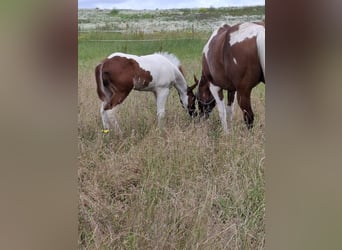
x: 192, y: 101
x: 206, y: 101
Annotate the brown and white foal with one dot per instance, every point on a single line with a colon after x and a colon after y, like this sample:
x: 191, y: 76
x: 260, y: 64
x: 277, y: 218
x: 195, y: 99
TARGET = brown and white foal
x: 118, y: 74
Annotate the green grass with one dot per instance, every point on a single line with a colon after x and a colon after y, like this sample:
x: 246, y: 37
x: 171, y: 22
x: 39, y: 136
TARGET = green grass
x: 188, y: 188
x: 186, y: 46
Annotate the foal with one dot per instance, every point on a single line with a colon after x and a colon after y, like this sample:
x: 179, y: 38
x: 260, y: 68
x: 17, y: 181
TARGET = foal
x: 119, y: 73
x: 234, y: 60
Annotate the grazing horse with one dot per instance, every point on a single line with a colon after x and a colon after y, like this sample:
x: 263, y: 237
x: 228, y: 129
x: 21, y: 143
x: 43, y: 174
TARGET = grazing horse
x: 233, y: 59
x: 119, y: 73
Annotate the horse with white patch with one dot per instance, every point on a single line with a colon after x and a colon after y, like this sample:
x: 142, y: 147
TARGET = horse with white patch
x: 233, y: 59
x: 118, y: 74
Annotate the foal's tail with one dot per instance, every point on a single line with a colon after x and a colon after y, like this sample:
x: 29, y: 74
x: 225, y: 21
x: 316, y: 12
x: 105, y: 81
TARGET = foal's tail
x: 260, y: 40
x: 99, y: 82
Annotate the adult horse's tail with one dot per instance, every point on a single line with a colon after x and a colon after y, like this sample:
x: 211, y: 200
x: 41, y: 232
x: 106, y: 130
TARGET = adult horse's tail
x: 260, y: 40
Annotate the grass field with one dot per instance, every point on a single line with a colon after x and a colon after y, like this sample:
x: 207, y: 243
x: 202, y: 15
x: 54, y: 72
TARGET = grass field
x: 188, y: 188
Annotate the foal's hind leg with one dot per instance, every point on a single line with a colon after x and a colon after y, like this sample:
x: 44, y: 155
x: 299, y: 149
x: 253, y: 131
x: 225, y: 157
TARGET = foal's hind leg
x: 107, y: 111
x: 109, y: 118
x: 244, y: 100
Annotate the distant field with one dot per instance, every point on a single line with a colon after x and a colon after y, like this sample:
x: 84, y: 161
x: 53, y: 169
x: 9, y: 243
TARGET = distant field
x: 190, y: 188
x: 149, y: 21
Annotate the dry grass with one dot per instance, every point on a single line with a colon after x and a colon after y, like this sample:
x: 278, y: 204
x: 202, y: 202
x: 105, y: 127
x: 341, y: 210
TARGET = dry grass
x: 188, y: 188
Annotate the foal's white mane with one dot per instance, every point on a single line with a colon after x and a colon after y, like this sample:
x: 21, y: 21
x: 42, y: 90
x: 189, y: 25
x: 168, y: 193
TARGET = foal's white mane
x: 171, y: 57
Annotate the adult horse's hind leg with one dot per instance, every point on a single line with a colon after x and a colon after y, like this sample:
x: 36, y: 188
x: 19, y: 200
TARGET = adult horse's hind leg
x: 244, y: 100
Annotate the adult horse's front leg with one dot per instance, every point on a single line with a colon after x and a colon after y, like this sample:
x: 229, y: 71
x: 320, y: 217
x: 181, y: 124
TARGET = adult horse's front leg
x: 230, y: 107
x: 218, y: 95
x: 161, y: 96
x: 244, y: 100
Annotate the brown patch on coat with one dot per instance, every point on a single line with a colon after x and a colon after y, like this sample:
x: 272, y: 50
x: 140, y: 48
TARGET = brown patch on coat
x: 119, y: 76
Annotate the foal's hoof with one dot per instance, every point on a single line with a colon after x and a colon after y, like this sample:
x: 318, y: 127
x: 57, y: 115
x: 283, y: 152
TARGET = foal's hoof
x: 105, y: 131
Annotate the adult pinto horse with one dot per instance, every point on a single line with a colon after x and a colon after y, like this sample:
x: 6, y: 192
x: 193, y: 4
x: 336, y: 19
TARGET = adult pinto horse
x: 118, y: 74
x: 234, y: 60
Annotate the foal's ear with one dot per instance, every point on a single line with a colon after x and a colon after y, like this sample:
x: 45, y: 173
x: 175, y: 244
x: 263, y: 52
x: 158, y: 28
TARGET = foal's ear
x: 195, y: 79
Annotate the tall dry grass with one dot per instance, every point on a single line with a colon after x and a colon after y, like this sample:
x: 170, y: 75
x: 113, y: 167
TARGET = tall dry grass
x: 190, y: 187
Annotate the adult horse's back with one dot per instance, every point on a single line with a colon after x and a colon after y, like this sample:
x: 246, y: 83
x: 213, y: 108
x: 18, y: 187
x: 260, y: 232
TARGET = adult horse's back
x: 234, y: 60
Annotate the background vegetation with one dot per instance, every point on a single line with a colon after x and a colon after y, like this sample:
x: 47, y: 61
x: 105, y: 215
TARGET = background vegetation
x: 149, y: 21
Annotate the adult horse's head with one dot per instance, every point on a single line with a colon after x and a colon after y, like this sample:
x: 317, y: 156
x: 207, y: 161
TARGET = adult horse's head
x: 206, y: 101
x: 192, y: 100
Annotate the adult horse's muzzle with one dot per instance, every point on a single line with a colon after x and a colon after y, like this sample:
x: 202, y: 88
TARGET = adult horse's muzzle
x: 205, y: 108
x: 193, y: 113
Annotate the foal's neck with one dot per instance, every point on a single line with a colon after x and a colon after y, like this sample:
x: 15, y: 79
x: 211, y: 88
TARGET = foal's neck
x: 181, y: 86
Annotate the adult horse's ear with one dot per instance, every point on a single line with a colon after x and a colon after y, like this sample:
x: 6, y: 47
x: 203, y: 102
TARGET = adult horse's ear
x: 195, y: 79
x: 193, y: 86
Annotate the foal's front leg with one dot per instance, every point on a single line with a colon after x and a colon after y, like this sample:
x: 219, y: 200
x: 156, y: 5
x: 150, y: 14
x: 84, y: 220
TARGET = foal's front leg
x: 161, y: 96
x: 218, y: 95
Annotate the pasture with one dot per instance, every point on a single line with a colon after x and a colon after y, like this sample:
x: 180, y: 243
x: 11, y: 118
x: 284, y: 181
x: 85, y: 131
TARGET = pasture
x: 189, y: 187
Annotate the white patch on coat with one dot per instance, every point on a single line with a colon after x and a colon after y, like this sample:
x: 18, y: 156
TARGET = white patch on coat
x: 234, y: 60
x: 261, y: 49
x: 138, y: 83
x: 220, y: 106
x: 245, y: 31
x: 206, y: 47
